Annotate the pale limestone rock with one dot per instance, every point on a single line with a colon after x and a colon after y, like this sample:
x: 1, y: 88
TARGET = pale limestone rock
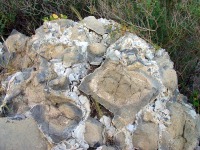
x: 181, y: 133
x: 72, y: 56
x: 63, y: 23
x: 53, y: 123
x: 97, y: 49
x: 51, y: 51
x: 35, y: 94
x: 21, y: 135
x: 163, y: 60
x: 170, y: 79
x: 93, y: 132
x: 16, y: 42
x: 73, y: 61
x: 176, y: 129
x: 15, y: 50
x: 96, y: 52
x: 121, y: 91
x: 59, y: 83
x: 78, y: 34
x: 119, y: 140
x: 71, y: 111
x: 92, y: 23
x: 57, y: 97
x: 104, y: 147
x: 146, y: 136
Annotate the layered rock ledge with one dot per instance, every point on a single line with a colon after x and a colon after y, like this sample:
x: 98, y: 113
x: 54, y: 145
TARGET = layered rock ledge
x: 86, y: 85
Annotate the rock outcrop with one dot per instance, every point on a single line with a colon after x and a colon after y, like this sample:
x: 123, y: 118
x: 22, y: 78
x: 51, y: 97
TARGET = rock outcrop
x: 75, y: 86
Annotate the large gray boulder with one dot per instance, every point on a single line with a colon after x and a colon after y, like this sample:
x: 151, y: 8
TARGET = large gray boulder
x: 81, y: 88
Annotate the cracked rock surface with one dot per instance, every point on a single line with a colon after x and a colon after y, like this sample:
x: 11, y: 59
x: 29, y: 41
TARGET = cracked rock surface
x: 75, y: 86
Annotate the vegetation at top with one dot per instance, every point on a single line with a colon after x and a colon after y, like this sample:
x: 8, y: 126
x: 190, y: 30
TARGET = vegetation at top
x: 170, y: 24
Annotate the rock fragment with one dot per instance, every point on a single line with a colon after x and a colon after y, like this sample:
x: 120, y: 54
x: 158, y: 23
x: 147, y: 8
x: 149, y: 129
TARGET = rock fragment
x: 170, y: 79
x: 92, y: 23
x: 21, y: 135
x: 53, y: 122
x: 95, y: 53
x: 16, y: 42
x: 146, y: 136
x: 94, y: 133
x: 71, y: 111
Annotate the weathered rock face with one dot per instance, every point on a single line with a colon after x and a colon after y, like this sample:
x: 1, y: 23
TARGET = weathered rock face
x: 20, y: 135
x: 93, y: 132
x: 67, y: 66
x: 122, y: 91
x: 146, y: 136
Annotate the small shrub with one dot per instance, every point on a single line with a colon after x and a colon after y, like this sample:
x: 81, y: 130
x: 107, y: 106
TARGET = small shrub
x: 5, y: 21
x: 54, y: 17
x: 195, y: 100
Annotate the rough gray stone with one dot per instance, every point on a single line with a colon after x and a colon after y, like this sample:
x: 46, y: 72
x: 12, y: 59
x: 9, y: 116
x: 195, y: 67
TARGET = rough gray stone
x: 146, y: 136
x: 181, y: 133
x: 64, y: 23
x: 21, y: 135
x: 35, y: 94
x: 45, y: 72
x: 16, y: 41
x: 72, y: 56
x: 53, y: 123
x: 190, y: 133
x: 59, y: 83
x: 95, y: 53
x: 4, y: 56
x: 71, y: 111
x: 170, y: 79
x: 121, y: 91
x: 163, y: 60
x: 57, y: 97
x: 55, y: 78
x: 97, y: 49
x: 78, y: 34
x: 15, y: 47
x: 104, y: 147
x: 119, y: 140
x: 176, y: 129
x: 92, y: 23
x: 94, y: 60
x: 94, y: 132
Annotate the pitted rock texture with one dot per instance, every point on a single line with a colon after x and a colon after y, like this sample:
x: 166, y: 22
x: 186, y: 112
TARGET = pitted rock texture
x: 66, y: 67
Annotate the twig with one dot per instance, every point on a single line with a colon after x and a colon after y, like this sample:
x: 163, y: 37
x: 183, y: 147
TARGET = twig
x: 5, y: 43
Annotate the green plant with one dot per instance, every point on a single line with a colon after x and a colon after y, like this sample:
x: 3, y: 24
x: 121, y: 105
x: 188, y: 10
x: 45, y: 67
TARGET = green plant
x: 54, y: 17
x: 98, y: 109
x: 195, y: 100
x: 76, y: 12
x: 5, y: 21
x: 29, y: 14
